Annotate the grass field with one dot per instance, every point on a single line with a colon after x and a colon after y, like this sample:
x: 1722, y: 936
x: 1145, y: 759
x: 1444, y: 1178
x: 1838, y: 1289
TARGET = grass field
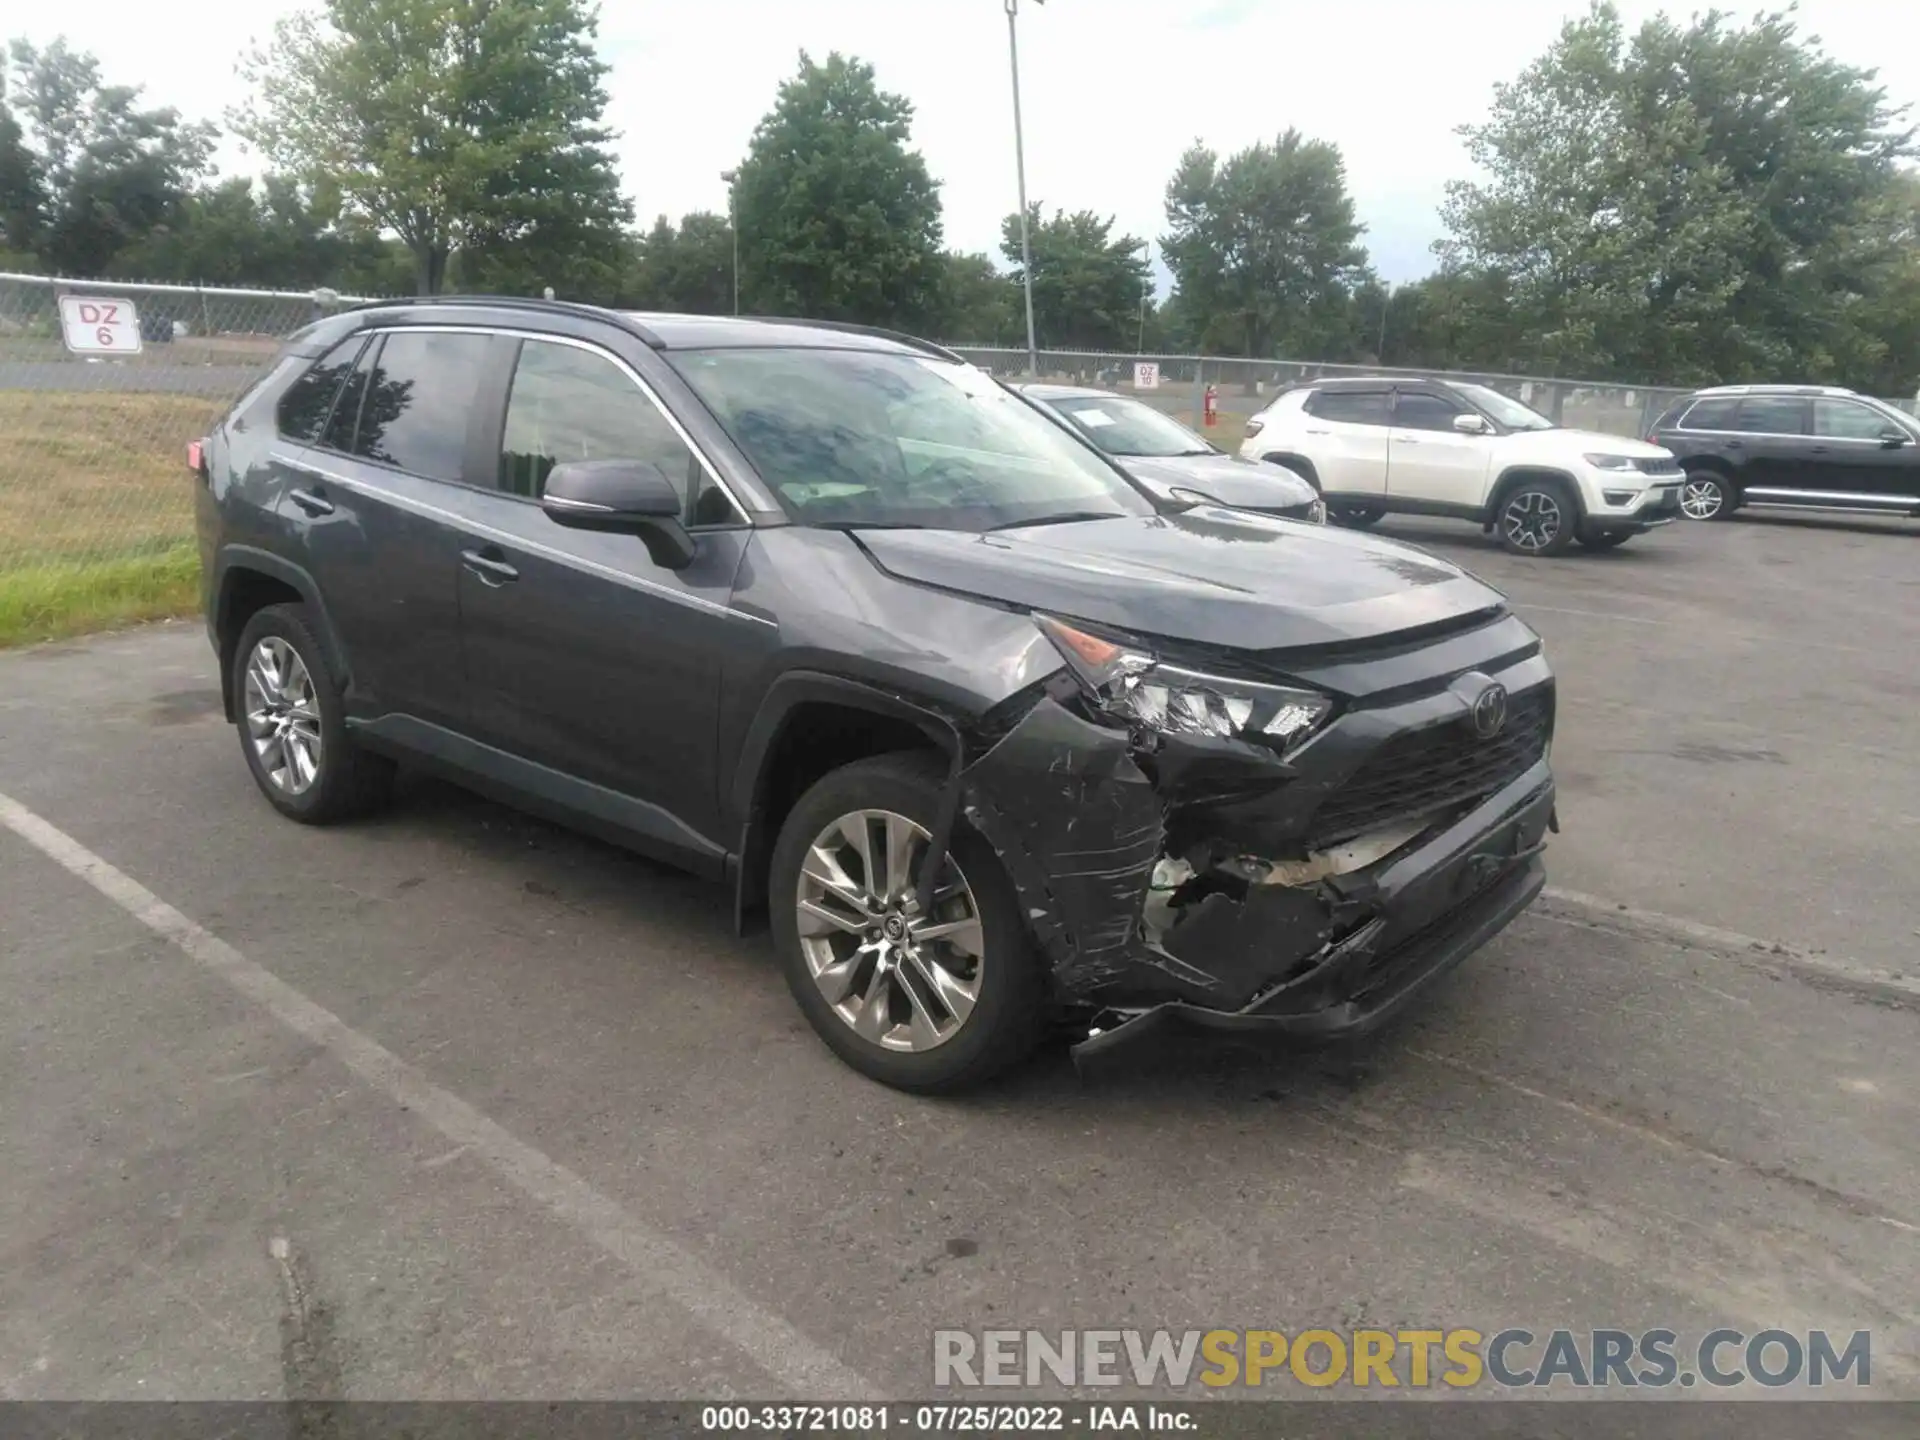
x: 96, y: 510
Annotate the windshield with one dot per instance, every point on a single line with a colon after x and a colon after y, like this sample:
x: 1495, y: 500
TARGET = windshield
x: 1510, y: 413
x: 1121, y: 426
x: 858, y: 437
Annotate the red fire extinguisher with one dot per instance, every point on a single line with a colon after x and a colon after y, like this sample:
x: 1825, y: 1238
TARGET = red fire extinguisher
x: 1211, y: 406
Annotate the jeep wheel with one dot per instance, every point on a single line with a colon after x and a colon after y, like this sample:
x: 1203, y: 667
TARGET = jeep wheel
x: 932, y: 1001
x: 1537, y: 517
x: 1354, y: 517
x: 287, y: 708
x: 1706, y: 496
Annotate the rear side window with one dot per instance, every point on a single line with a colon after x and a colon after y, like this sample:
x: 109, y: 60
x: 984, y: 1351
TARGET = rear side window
x: 1721, y: 414
x: 1773, y: 415
x: 309, y: 400
x: 1845, y: 420
x: 420, y: 396
x: 338, y: 434
x: 1350, y: 407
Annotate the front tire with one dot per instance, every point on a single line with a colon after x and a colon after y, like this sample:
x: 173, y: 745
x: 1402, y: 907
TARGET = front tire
x: 930, y: 1003
x: 1354, y: 517
x: 288, y: 709
x: 1707, y: 496
x: 1537, y: 518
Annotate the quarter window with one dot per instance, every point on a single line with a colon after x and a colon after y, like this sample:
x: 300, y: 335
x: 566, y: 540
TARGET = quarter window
x: 419, y: 398
x: 1350, y: 407
x: 309, y: 400
x: 570, y: 404
x: 1844, y: 420
x: 338, y: 434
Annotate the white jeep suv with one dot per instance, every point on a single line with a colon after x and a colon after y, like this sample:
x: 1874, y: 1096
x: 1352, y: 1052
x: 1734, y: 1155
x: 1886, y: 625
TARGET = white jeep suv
x: 1383, y: 444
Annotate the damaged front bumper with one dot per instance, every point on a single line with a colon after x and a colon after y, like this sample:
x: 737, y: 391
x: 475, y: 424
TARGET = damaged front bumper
x: 1081, y: 825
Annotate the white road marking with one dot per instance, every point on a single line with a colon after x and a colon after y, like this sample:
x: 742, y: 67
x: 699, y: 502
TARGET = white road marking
x: 1713, y: 937
x: 657, y: 1261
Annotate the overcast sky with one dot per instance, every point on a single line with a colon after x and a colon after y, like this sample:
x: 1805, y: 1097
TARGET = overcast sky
x: 1113, y: 90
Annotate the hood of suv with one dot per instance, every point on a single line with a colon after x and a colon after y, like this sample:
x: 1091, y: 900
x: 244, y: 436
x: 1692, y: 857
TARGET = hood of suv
x: 1213, y: 576
x: 1225, y: 478
x: 1595, y: 442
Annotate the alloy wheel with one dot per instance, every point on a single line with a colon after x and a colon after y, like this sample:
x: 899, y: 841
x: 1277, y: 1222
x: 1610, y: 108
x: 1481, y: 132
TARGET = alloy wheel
x: 1702, y: 499
x: 901, y: 979
x: 1532, y: 520
x: 283, y: 716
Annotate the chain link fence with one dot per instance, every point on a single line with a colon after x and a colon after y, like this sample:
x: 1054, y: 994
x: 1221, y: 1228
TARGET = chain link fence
x: 1244, y: 387
x: 96, y: 504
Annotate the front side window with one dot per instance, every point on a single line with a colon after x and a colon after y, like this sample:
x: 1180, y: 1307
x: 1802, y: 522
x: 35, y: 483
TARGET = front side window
x: 1415, y: 411
x: 861, y: 437
x: 309, y: 400
x: 1845, y: 420
x: 570, y: 404
x: 1503, y: 408
x: 420, y: 396
x: 1351, y: 407
x: 1772, y: 415
x: 1129, y: 427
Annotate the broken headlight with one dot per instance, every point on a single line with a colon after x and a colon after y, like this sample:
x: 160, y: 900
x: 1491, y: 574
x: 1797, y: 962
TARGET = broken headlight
x: 1132, y: 684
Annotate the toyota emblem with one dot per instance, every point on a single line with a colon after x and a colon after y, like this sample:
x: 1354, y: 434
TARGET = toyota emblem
x: 1490, y: 712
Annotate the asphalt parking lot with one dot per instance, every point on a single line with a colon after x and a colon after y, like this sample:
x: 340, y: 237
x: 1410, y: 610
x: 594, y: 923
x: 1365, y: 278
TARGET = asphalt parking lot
x: 455, y: 1104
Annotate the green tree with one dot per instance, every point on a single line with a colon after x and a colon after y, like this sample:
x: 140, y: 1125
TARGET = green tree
x: 1687, y: 203
x: 688, y: 268
x: 978, y: 303
x: 457, y: 125
x: 1087, y: 283
x: 839, y: 219
x: 243, y: 232
x: 84, y: 171
x: 1263, y: 246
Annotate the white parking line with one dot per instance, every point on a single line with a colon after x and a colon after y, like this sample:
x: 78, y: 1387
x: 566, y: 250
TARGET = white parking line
x: 656, y: 1260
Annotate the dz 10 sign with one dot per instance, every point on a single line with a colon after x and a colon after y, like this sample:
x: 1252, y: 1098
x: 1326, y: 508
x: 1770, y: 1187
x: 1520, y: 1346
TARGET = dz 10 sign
x: 98, y: 325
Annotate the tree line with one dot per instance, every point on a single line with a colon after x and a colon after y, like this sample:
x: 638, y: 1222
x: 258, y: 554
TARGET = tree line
x: 1678, y: 203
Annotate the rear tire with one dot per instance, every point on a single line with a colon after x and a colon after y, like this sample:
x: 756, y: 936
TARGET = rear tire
x: 911, y: 1010
x: 1537, y: 518
x: 1354, y: 517
x: 1708, y: 495
x: 292, y: 722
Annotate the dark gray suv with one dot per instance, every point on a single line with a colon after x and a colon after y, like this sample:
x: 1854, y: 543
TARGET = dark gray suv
x: 994, y: 738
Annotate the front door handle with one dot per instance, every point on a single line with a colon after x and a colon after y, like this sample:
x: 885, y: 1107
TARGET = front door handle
x: 313, y: 501
x: 490, y: 565
x: 1403, y: 440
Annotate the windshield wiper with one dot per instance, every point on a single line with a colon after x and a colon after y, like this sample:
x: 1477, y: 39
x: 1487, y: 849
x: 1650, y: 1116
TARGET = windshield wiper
x: 1065, y: 517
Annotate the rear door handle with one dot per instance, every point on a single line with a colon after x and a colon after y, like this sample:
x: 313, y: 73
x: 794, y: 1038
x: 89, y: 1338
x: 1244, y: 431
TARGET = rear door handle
x: 313, y: 501
x: 490, y: 565
x: 1319, y: 432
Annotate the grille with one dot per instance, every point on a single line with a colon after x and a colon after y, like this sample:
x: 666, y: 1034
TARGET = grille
x: 1657, y: 465
x: 1433, y: 769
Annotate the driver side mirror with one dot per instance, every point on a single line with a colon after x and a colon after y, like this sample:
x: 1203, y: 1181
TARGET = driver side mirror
x: 1471, y: 424
x: 621, y: 497
x: 1893, y: 438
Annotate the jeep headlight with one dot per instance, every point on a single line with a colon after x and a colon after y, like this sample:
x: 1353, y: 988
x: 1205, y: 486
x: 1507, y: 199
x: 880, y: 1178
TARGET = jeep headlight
x: 1131, y: 684
x: 1612, y: 462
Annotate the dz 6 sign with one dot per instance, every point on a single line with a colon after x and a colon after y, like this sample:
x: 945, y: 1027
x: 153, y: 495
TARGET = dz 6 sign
x: 99, y: 325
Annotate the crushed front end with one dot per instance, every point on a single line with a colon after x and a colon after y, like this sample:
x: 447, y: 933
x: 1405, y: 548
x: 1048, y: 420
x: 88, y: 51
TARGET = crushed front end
x: 1293, y: 841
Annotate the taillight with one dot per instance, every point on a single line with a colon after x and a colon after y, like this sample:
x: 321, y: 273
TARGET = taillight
x: 1255, y: 426
x: 197, y: 456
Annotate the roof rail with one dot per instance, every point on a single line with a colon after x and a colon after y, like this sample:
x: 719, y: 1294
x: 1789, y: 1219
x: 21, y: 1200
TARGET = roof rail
x: 523, y: 302
x: 848, y: 327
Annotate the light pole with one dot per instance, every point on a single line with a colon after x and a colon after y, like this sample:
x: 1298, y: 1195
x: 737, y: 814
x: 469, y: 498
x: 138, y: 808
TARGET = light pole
x: 1020, y: 166
x: 733, y: 224
x: 1386, y: 304
x: 1146, y: 289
